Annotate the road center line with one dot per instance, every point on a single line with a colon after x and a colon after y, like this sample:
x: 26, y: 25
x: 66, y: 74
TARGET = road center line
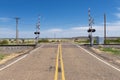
x: 56, y: 68
x: 59, y: 56
x: 62, y: 65
x: 99, y: 59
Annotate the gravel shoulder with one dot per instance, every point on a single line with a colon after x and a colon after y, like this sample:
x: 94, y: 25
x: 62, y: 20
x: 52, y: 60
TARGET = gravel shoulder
x: 111, y: 58
x: 13, y: 53
x: 12, y: 56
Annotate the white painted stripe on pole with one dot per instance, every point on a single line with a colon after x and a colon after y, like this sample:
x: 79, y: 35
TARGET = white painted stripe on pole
x: 99, y: 59
x: 13, y: 62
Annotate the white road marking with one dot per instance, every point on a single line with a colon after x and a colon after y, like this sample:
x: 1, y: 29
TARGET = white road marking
x: 99, y: 59
x: 36, y: 49
x: 18, y: 59
x: 14, y: 62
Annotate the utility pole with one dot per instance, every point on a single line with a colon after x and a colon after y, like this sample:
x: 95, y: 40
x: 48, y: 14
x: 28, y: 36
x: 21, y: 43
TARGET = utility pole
x: 90, y: 30
x: 104, y: 28
x: 17, y: 18
x: 37, y: 33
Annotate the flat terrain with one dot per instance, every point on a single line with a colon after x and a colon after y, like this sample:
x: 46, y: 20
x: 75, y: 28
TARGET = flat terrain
x: 40, y: 64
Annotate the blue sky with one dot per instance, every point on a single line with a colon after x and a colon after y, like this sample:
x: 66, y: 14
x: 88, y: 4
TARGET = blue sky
x: 64, y: 18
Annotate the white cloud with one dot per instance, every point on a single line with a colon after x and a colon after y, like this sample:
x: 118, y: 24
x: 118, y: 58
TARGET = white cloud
x: 117, y: 23
x: 117, y: 15
x: 2, y: 19
x: 118, y: 9
x: 54, y: 30
x: 6, y: 32
x: 79, y: 28
x: 113, y: 29
x: 26, y: 34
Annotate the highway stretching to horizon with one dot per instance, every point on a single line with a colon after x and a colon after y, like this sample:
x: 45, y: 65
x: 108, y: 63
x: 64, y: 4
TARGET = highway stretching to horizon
x: 60, y: 61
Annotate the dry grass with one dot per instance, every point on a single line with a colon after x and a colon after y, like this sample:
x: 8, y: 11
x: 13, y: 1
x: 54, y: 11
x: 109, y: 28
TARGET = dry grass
x: 11, y: 56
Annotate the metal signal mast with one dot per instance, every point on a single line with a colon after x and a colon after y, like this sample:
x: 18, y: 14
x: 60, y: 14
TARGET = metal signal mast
x: 90, y: 30
x: 37, y: 33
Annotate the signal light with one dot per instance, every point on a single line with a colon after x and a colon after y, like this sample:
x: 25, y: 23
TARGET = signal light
x: 36, y: 32
x: 91, y: 30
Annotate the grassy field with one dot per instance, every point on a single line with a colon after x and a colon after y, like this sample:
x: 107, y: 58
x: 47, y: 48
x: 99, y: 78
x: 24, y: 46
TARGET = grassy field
x: 111, y: 50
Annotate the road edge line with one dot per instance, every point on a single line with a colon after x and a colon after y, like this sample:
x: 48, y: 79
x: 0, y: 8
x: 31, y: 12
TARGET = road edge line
x: 13, y: 62
x: 99, y: 59
x: 22, y: 57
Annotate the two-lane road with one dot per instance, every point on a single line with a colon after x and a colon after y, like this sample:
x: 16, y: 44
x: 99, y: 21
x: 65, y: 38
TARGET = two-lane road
x: 40, y: 64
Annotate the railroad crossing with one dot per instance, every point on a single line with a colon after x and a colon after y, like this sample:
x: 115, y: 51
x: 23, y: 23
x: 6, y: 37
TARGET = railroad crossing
x: 60, y: 61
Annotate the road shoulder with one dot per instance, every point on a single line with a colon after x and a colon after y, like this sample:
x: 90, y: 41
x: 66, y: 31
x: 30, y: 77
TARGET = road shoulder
x: 112, y: 59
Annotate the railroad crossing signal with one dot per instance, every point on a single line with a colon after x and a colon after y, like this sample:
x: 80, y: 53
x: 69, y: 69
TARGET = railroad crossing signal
x: 91, y: 30
x: 37, y: 32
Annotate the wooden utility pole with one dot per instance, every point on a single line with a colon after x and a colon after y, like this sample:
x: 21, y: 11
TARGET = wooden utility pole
x: 104, y: 28
x: 17, y: 18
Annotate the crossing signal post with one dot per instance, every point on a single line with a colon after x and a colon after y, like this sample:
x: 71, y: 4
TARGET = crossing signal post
x: 37, y: 32
x: 90, y: 30
x: 37, y: 37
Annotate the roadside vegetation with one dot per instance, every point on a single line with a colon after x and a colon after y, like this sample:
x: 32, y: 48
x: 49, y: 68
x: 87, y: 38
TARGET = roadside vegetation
x: 81, y: 41
x: 115, y: 41
x: 111, y: 50
x: 43, y: 41
x: 28, y: 41
x: 2, y: 56
x: 84, y: 41
x: 13, y: 41
x: 4, y: 42
x: 108, y: 41
x: 49, y: 41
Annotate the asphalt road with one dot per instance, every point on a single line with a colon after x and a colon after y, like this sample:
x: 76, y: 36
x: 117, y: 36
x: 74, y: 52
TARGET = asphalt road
x: 40, y: 64
x: 79, y: 65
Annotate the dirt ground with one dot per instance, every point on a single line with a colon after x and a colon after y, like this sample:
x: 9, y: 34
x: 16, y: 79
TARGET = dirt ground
x: 114, y: 59
x: 12, y: 55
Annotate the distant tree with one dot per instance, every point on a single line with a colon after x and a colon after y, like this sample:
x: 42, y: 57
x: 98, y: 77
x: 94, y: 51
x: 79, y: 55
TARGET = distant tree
x: 3, y: 42
x: 23, y: 40
x: 43, y: 40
